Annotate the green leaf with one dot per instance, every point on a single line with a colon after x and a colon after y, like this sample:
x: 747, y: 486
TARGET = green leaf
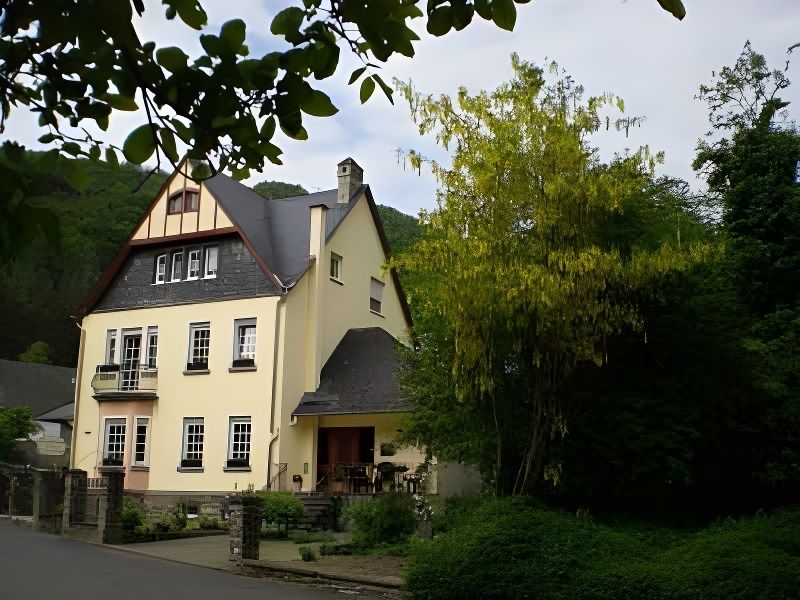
x: 111, y: 158
x: 120, y: 102
x: 504, y: 14
x: 191, y: 13
x: 674, y: 7
x: 139, y: 145
x: 268, y: 128
x: 318, y: 104
x: 47, y: 138
x: 367, y: 87
x: 200, y: 171
x: 386, y: 89
x: 76, y: 175
x: 484, y: 9
x: 232, y: 34
x: 94, y: 153
x: 173, y: 59
x: 168, y: 144
x: 440, y: 20
x: 287, y: 21
x: 356, y: 74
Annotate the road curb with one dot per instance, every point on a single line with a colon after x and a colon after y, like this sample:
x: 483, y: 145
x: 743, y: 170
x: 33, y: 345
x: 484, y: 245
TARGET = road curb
x: 279, y: 568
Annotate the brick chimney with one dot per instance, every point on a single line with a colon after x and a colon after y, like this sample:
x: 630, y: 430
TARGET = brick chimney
x: 351, y: 176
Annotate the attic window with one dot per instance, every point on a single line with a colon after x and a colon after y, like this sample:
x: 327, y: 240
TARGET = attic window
x: 336, y: 267
x: 183, y: 201
x: 375, y: 294
x: 797, y: 172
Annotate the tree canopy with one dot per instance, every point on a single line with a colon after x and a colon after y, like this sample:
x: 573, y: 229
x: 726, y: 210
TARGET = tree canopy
x: 74, y: 62
x: 518, y: 282
x: 15, y: 422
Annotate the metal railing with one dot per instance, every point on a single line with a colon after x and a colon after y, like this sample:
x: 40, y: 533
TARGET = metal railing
x: 109, y: 378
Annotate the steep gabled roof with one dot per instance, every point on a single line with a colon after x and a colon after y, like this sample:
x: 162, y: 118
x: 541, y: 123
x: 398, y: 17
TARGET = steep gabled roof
x: 276, y: 232
x: 359, y: 377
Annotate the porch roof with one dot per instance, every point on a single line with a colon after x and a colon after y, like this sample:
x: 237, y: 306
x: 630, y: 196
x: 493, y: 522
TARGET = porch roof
x: 358, y: 378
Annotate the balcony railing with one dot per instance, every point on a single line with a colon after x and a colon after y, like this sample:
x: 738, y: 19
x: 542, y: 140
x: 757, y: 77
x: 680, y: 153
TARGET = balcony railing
x: 129, y: 378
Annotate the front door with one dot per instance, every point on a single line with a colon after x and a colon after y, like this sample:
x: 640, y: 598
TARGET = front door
x: 342, y: 445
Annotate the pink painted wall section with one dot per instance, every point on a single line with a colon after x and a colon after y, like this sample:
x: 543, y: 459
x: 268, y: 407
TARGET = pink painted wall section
x: 137, y: 478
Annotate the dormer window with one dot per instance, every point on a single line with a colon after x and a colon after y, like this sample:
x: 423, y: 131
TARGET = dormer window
x: 177, y: 266
x: 212, y: 253
x: 160, y: 274
x: 336, y: 267
x: 193, y: 271
x: 183, y: 201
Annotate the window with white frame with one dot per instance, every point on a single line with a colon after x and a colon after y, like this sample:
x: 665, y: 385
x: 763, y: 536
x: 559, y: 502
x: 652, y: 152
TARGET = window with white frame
x: 199, y: 345
x: 336, y: 267
x: 160, y: 273
x: 239, y: 433
x: 193, y: 266
x: 111, y: 346
x: 193, y: 441
x: 141, y: 442
x: 177, y: 266
x: 211, y: 258
x: 244, y: 351
x: 375, y: 294
x: 114, y: 442
x: 152, y: 348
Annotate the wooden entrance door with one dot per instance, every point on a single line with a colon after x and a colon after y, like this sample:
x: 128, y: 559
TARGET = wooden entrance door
x: 342, y: 445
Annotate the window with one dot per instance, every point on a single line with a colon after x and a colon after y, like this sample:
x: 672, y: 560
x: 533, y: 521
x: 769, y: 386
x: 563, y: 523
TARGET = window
x: 199, y: 343
x: 797, y: 172
x: 211, y: 262
x: 375, y: 294
x: 244, y: 343
x: 114, y: 442
x: 141, y: 451
x: 191, y: 200
x: 175, y: 203
x: 177, y: 266
x: 193, y: 267
x: 336, y: 267
x: 239, y: 442
x: 161, y: 269
x: 193, y: 437
x: 111, y: 346
x: 152, y: 347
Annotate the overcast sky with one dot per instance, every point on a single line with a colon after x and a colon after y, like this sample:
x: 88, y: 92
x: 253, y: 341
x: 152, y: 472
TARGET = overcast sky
x: 631, y: 48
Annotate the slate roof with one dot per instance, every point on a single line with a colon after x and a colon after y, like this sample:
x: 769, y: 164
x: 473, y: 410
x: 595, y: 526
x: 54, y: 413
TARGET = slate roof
x: 279, y: 229
x: 358, y: 377
x: 62, y: 413
x: 41, y: 388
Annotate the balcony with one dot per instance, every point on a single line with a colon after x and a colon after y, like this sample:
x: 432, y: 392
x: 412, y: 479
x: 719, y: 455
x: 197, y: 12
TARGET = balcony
x: 121, y: 382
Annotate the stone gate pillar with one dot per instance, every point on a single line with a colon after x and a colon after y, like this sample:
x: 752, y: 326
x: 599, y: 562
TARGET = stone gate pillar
x: 74, y: 498
x: 245, y: 527
x: 112, y: 517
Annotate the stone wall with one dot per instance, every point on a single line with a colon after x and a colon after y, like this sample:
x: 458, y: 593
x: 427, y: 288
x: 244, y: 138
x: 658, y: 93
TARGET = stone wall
x: 245, y: 527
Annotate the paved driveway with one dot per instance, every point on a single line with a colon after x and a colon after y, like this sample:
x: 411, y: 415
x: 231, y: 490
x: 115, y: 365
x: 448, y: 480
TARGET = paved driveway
x: 38, y: 565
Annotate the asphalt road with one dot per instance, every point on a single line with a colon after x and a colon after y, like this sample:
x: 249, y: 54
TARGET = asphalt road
x: 37, y: 566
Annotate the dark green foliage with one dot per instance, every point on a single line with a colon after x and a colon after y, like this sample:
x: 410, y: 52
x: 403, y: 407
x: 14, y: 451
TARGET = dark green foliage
x: 132, y: 514
x: 280, y: 507
x: 279, y: 189
x: 38, y: 352
x: 44, y: 281
x: 307, y: 554
x: 402, y: 230
x: 173, y: 519
x: 329, y: 549
x: 455, y: 509
x: 510, y: 549
x: 210, y: 523
x: 388, y: 518
x: 15, y: 422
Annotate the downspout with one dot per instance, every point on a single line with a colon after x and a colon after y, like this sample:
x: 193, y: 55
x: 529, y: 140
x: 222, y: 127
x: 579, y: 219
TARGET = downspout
x: 275, y: 350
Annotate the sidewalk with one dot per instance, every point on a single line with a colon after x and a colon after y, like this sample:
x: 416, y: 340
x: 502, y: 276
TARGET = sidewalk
x: 278, y: 557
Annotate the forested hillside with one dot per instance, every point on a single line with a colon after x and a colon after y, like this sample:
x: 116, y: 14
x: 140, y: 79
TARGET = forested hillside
x: 44, y: 282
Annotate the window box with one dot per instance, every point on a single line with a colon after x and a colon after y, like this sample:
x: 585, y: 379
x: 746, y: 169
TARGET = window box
x: 237, y: 463
x: 107, y: 368
x: 244, y: 363
x: 197, y: 366
x: 187, y: 463
x: 112, y: 462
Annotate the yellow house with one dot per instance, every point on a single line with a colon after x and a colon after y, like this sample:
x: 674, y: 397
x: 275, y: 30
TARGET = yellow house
x: 239, y: 341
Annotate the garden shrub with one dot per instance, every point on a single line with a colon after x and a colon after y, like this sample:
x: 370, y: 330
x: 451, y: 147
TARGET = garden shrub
x: 388, y: 518
x: 330, y: 549
x: 308, y: 537
x: 173, y: 519
x: 209, y: 523
x: 512, y: 549
x: 454, y: 510
x: 132, y: 514
x: 280, y: 507
x: 307, y: 554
